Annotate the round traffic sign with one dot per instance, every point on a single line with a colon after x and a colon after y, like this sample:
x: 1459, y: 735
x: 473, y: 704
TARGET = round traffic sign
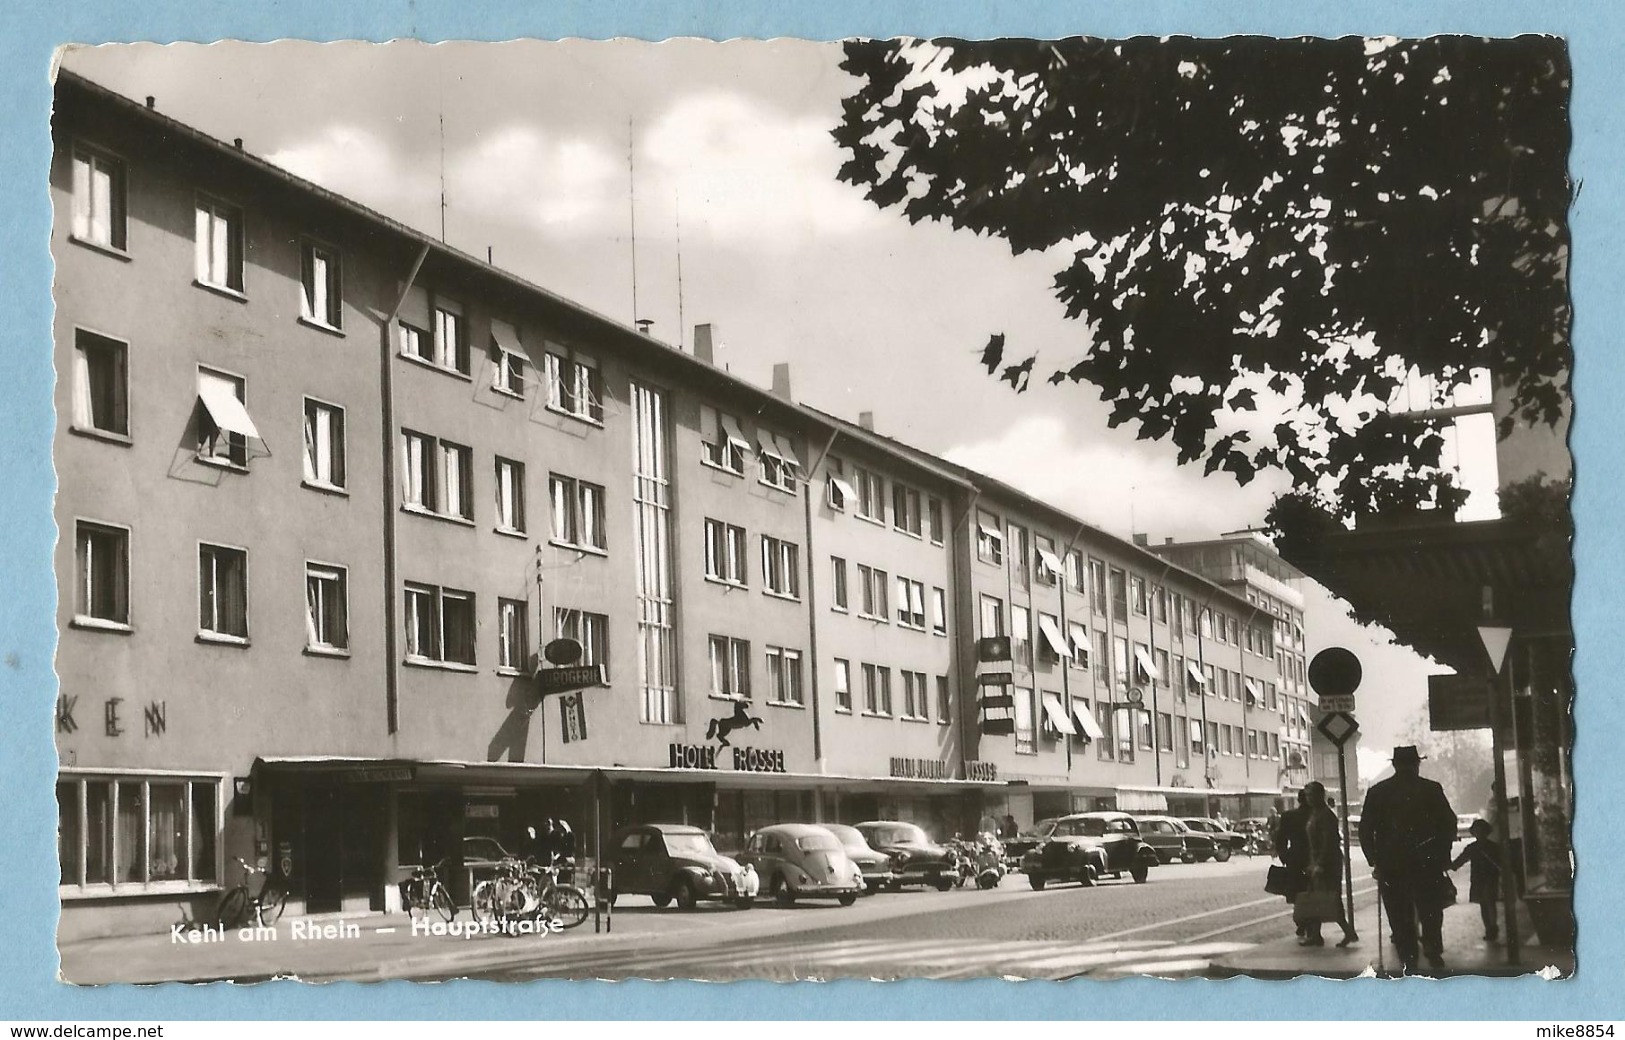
x: 1335, y: 672
x: 562, y: 652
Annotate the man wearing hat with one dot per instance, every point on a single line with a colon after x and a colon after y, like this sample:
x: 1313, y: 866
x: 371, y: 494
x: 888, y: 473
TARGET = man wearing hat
x: 1406, y: 831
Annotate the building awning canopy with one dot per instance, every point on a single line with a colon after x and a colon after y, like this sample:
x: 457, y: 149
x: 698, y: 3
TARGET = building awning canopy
x: 1148, y: 666
x: 505, y: 336
x: 843, y: 491
x: 730, y: 428
x: 1254, y: 698
x: 1051, y: 631
x: 1141, y: 801
x: 1057, y: 714
x: 1303, y: 715
x: 1194, y: 670
x: 784, y: 450
x: 1086, y: 721
x: 1051, y: 562
x: 989, y: 530
x: 219, y: 399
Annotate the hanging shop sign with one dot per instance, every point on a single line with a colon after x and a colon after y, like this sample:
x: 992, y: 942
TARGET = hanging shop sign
x: 921, y: 769
x: 738, y: 759
x: 567, y: 680
x: 993, y: 648
x: 572, y: 718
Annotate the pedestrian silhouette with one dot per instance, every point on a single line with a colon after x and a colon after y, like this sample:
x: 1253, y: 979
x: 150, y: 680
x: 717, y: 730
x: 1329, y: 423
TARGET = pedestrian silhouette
x: 1406, y: 830
x: 1483, y: 857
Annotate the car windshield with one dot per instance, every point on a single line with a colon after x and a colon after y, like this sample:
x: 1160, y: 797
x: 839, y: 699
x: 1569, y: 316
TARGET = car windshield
x: 818, y: 843
x: 1090, y: 828
x: 899, y: 834
x: 1044, y: 828
x: 851, y: 837
x: 689, y: 845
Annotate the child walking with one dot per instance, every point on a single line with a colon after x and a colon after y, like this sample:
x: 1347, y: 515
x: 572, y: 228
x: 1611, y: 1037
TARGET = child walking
x: 1484, y: 879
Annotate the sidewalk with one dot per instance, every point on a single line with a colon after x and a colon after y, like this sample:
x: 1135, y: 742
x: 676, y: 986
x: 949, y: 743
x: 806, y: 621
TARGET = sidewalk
x: 1465, y: 952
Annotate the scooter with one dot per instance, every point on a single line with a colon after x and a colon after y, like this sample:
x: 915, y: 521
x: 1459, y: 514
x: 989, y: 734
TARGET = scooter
x: 989, y: 862
x: 964, y: 856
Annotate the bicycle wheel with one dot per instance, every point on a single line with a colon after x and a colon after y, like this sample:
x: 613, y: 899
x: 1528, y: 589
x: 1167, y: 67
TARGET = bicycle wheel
x: 484, y: 901
x: 272, y: 901
x: 233, y: 908
x: 567, y: 904
x: 440, y: 899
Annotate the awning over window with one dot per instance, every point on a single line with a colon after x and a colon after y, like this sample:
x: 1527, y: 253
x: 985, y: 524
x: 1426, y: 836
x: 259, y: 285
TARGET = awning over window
x: 220, y: 401
x: 1051, y: 561
x: 1254, y: 698
x: 506, y: 336
x: 1057, y: 641
x: 847, y: 492
x: 1194, y: 670
x: 1057, y: 714
x: 768, y: 445
x: 1304, y: 715
x: 1141, y: 801
x: 736, y: 437
x: 1086, y: 722
x: 1147, y: 665
x: 784, y: 451
x: 990, y: 531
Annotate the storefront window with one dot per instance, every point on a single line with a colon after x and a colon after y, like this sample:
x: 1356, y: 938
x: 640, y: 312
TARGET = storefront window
x: 166, y: 832
x: 132, y: 832
x: 128, y: 849
x: 67, y: 832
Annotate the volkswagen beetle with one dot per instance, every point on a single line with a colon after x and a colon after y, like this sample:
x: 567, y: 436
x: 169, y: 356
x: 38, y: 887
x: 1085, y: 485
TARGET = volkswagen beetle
x: 800, y: 861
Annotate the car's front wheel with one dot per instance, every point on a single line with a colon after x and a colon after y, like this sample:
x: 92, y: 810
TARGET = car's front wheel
x: 849, y: 899
x: 781, y: 891
x: 1139, y: 873
x: 684, y: 894
x: 944, y: 884
x: 1087, y: 878
x: 1038, y: 881
x: 1222, y: 856
x: 661, y: 900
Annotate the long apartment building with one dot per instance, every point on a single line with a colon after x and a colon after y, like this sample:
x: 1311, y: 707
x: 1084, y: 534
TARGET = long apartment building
x: 329, y: 487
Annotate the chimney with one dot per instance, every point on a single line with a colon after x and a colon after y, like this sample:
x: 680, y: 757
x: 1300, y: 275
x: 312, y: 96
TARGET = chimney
x: 1168, y: 541
x: 644, y: 324
x: 867, y: 421
x: 781, y: 380
x: 1142, y: 540
x: 703, y: 348
x: 238, y: 141
x: 151, y: 101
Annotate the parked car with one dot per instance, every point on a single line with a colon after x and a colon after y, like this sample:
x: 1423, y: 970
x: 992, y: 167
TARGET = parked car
x: 1085, y: 847
x: 1016, y: 849
x: 800, y: 861
x: 1225, y: 842
x: 915, y: 858
x: 875, y: 866
x: 1173, y: 840
x: 672, y: 862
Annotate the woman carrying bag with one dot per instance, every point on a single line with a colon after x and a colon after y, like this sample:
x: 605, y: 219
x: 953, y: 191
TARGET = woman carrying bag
x: 1321, y: 899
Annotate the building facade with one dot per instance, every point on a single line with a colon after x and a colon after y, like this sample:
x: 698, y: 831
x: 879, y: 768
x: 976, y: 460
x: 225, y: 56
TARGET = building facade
x: 329, y: 489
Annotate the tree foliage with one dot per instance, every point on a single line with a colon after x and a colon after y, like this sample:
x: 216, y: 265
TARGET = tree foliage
x: 1252, y: 227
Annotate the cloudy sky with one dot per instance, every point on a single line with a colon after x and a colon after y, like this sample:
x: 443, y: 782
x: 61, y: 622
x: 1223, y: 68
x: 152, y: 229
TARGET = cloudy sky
x: 733, y: 158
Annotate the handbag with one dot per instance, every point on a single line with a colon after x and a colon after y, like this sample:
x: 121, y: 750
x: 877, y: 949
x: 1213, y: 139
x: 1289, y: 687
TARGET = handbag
x: 1441, y: 892
x: 1282, y: 880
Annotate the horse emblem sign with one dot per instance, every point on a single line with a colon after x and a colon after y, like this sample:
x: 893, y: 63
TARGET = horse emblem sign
x: 719, y: 728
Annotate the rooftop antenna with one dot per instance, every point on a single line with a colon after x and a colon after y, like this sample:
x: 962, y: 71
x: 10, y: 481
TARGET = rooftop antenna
x: 677, y: 207
x: 632, y: 210
x: 442, y: 169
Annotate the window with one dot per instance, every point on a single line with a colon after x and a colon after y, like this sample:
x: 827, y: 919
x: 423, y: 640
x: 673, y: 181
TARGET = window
x: 1119, y: 584
x: 1165, y: 731
x: 513, y: 639
x: 1081, y: 711
x: 590, y: 630
x: 1026, y: 736
x: 651, y: 496
x: 1106, y: 717
x: 457, y: 498
x: 781, y: 569
x: 724, y: 552
x: 838, y: 566
x: 101, y: 390
x: 415, y: 343
x: 730, y: 668
x: 939, y: 611
x: 578, y: 513
x: 1208, y: 687
x: 933, y: 520
x: 1145, y: 729
x: 1097, y: 586
x: 450, y: 337
x: 871, y: 495
x: 1020, y: 557
x: 945, y: 706
x: 102, y: 589
x: 843, y: 685
x: 989, y: 540
x: 1076, y: 574
x: 1049, y: 567
x: 1198, y: 747
x: 905, y: 508
x: 778, y: 461
x: 574, y: 386
x: 218, y: 248
x: 1161, y: 659
x: 1213, y: 739
x: 1136, y: 593
x: 324, y: 444
x: 992, y: 616
x: 876, y: 690
x: 322, y: 300
x: 1207, y: 623
x: 222, y: 592
x: 439, y: 625
x: 326, y: 607
x: 722, y: 444
x: 873, y: 588
x: 1159, y: 599
x: 1021, y: 636
x: 157, y: 832
x: 910, y: 603
x: 223, y: 426
x: 1120, y: 663
x: 436, y: 476
x: 1078, y: 636
x: 916, y: 704
x: 1102, y: 659
x: 98, y: 199
x: 784, y: 676
x: 510, y: 496
x: 507, y: 360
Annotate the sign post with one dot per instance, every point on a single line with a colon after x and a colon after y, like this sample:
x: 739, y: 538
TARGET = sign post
x: 1495, y: 642
x: 1335, y: 674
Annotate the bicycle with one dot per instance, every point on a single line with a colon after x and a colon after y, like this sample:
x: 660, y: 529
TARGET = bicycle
x: 425, y: 891
x: 525, y: 890
x: 237, y: 905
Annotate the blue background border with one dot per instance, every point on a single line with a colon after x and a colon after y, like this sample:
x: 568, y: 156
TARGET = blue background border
x: 28, y: 902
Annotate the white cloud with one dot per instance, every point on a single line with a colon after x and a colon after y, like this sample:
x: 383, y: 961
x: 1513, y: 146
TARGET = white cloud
x: 555, y: 182
x: 361, y: 165
x: 1115, y: 489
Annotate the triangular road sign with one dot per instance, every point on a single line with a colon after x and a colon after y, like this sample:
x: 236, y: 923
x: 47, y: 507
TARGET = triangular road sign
x: 1495, y: 642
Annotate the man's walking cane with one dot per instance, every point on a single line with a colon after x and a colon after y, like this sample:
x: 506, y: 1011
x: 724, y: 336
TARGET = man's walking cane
x: 1381, y: 969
